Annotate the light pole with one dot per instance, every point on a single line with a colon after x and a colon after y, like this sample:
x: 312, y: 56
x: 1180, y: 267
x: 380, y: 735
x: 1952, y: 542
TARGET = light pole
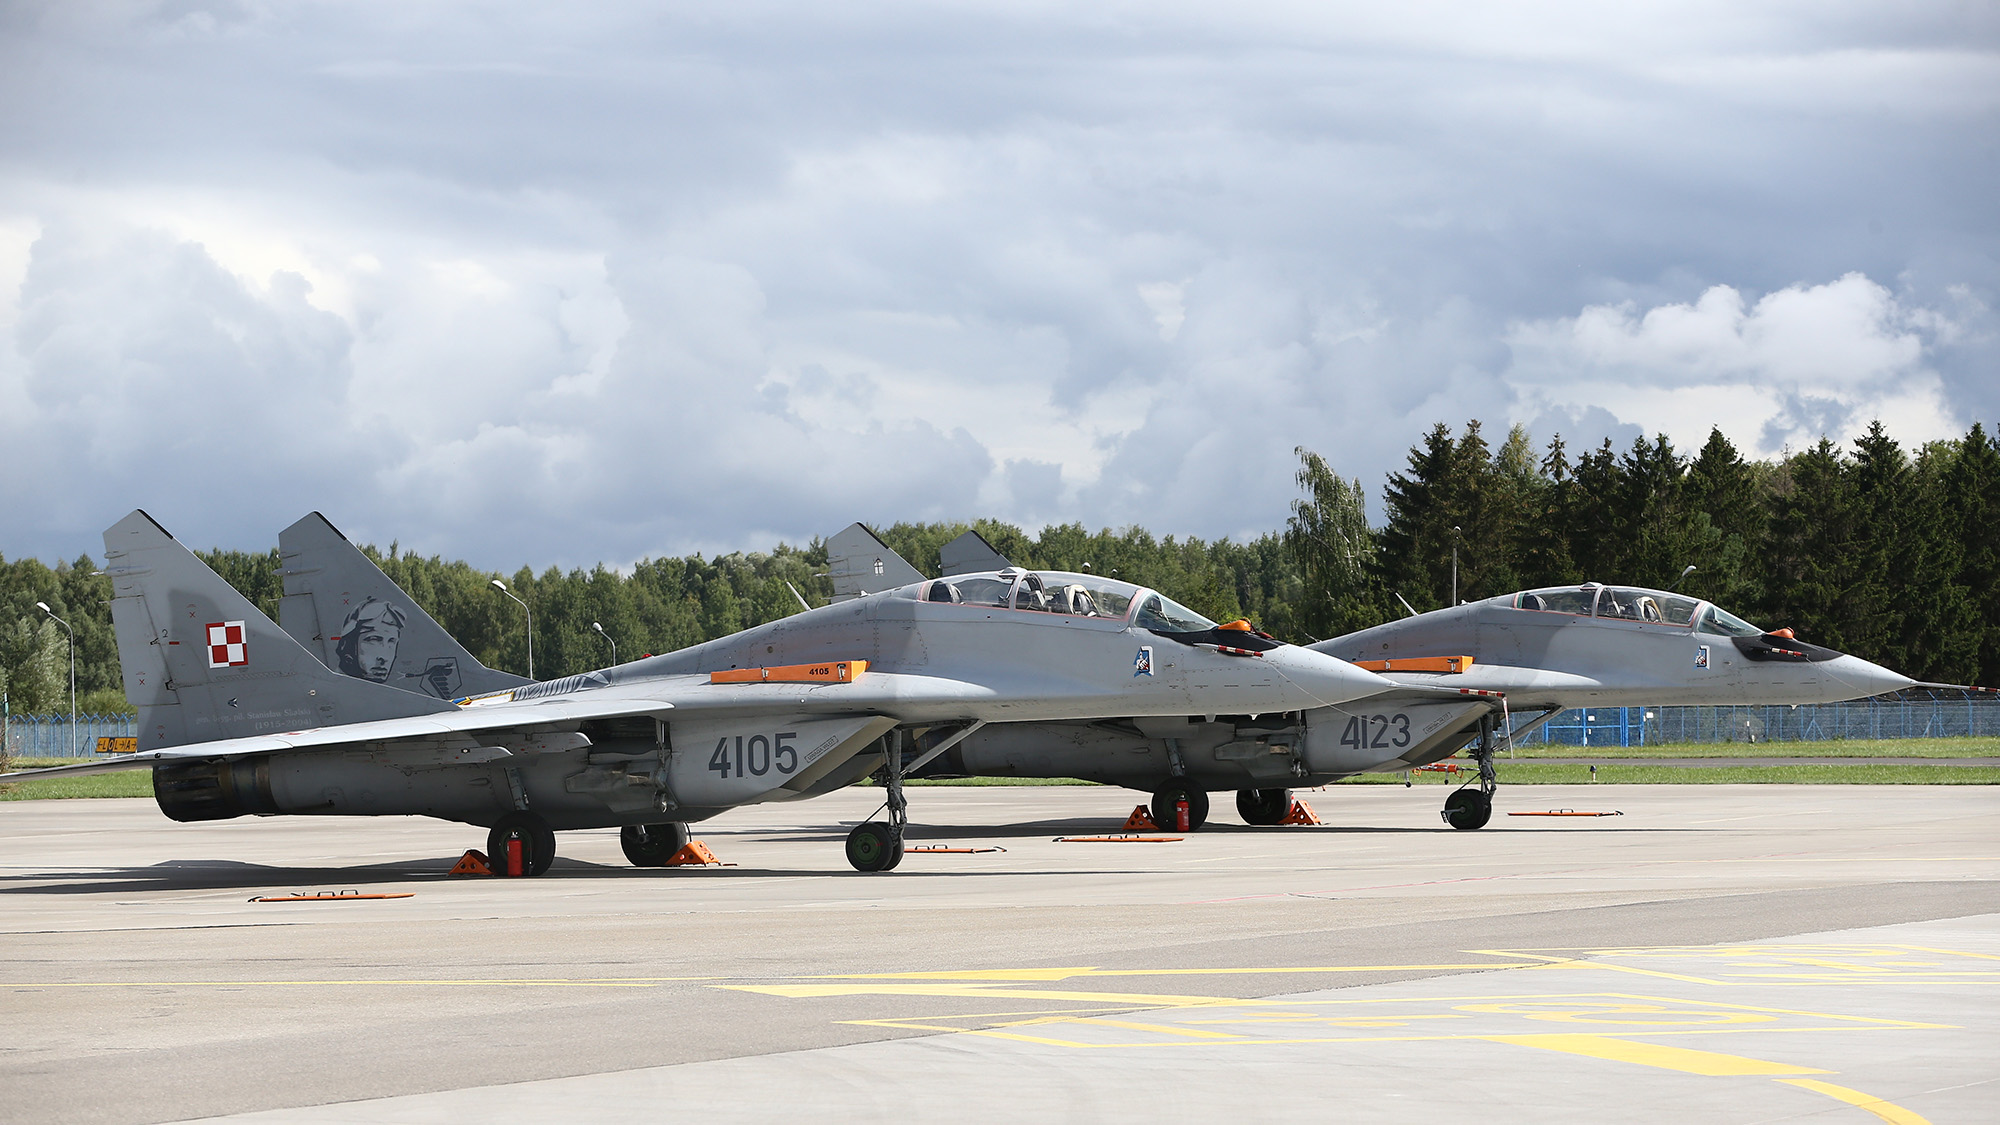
x: 44, y: 607
x: 502, y: 587
x: 614, y: 644
x: 1454, y: 566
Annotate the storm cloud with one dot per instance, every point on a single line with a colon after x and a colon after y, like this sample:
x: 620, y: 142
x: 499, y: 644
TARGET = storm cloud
x: 529, y: 284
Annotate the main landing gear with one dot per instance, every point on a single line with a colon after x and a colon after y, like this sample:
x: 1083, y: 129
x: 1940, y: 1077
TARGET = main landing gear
x: 1468, y: 807
x: 520, y: 843
x: 1263, y: 806
x: 1167, y: 803
x: 651, y: 845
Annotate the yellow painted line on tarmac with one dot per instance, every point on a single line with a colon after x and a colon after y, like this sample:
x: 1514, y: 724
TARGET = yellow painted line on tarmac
x: 1887, y: 1111
x: 1160, y: 1028
x: 1714, y: 1064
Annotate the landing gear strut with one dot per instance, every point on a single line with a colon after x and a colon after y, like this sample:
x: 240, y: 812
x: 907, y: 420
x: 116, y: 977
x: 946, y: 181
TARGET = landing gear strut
x: 520, y: 843
x: 1468, y: 807
x: 878, y: 845
x: 1263, y: 806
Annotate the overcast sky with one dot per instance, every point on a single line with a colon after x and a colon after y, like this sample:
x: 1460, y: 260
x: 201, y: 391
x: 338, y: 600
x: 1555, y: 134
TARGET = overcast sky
x: 555, y: 284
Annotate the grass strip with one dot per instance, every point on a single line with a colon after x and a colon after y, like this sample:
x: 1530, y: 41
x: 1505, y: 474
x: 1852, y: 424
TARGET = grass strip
x: 1551, y: 773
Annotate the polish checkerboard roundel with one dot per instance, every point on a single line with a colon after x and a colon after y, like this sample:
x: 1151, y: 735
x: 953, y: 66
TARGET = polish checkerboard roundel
x: 226, y: 648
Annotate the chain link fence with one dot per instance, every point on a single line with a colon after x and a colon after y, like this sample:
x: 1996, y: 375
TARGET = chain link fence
x: 48, y: 736
x: 1811, y: 722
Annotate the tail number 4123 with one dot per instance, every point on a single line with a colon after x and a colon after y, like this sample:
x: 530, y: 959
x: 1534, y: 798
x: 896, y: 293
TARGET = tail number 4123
x: 754, y: 756
x: 1376, y: 732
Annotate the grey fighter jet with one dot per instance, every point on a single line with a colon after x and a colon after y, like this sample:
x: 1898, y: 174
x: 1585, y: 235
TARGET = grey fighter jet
x: 236, y: 717
x: 1177, y: 758
x: 1595, y: 645
x: 1513, y: 662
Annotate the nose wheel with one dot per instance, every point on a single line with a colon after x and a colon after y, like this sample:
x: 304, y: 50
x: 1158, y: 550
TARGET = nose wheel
x: 1467, y: 807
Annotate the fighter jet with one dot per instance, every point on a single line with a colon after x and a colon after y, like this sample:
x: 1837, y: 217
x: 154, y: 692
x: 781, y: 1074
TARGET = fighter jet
x: 1552, y: 649
x: 236, y: 717
x: 1514, y: 661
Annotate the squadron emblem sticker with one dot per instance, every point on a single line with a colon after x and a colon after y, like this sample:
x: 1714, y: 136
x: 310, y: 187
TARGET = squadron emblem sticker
x: 1142, y: 664
x: 1701, y: 656
x: 226, y: 648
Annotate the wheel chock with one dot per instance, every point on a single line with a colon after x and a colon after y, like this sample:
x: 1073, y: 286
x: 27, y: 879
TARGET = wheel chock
x: 471, y: 863
x: 695, y: 854
x: 1140, y: 821
x: 1301, y: 813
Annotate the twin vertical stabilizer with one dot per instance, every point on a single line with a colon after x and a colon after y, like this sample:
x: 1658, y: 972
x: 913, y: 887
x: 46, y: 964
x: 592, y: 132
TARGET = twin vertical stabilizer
x: 202, y: 663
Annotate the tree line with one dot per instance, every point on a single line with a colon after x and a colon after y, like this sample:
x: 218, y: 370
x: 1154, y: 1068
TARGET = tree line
x: 1887, y: 553
x: 1890, y: 554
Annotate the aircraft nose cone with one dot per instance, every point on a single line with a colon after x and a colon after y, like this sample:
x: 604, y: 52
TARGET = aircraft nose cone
x: 1866, y: 678
x: 1324, y: 679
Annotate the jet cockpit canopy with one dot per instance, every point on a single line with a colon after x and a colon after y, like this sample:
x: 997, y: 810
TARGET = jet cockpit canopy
x: 1627, y: 603
x: 1039, y: 591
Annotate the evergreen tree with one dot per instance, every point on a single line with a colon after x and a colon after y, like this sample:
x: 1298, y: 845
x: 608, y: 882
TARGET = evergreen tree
x: 1970, y: 507
x: 1329, y: 539
x: 1811, y: 544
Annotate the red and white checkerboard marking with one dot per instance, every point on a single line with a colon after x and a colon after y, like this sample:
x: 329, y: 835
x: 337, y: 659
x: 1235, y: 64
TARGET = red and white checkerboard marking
x: 225, y: 645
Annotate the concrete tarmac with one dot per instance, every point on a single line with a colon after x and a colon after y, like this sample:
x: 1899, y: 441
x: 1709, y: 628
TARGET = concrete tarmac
x: 1716, y: 953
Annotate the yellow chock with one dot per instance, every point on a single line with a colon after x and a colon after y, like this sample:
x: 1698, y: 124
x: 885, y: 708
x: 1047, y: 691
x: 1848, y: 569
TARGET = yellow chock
x: 693, y: 854
x: 1140, y: 821
x: 1301, y: 813
x: 471, y: 863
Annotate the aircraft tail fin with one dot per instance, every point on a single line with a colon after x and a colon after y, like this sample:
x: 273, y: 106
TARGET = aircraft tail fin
x: 860, y: 563
x: 341, y: 607
x: 201, y: 662
x: 970, y: 553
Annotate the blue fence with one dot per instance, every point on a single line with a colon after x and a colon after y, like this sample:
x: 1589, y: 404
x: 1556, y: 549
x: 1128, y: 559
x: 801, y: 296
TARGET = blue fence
x: 1815, y: 722
x: 47, y: 736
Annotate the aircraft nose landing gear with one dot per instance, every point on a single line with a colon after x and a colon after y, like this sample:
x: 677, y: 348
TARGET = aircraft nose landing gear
x: 1467, y: 807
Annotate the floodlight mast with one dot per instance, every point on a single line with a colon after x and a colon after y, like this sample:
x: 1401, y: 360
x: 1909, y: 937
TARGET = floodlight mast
x: 607, y: 638
x: 502, y: 587
x: 44, y: 607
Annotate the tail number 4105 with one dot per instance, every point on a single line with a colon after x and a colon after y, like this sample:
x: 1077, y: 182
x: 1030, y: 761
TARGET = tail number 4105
x: 754, y: 756
x: 1376, y: 732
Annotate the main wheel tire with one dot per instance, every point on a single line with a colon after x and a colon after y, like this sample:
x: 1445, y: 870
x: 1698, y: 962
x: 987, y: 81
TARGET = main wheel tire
x: 1263, y: 806
x: 1468, y: 808
x: 1172, y: 794
x: 652, y: 845
x: 874, y: 847
x: 538, y: 843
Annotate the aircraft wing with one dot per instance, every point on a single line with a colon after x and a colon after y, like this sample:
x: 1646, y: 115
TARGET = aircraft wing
x: 910, y: 698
